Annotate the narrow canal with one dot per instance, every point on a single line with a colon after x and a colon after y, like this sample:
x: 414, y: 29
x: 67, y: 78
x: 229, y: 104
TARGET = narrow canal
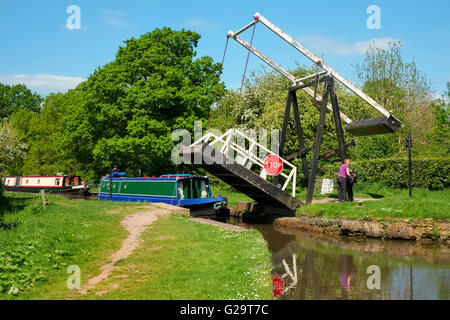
x: 318, y: 266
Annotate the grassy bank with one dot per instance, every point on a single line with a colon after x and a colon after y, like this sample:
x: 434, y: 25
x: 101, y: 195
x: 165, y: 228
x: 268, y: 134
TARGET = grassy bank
x: 393, y: 204
x: 387, y: 202
x: 179, y: 259
x: 37, y: 246
x: 182, y: 259
x: 232, y: 195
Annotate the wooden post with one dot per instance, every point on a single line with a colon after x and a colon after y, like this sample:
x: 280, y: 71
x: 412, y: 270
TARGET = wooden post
x: 44, y: 202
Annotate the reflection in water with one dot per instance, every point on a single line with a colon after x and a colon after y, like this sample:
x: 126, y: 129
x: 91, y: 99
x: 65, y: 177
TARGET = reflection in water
x: 347, y: 271
x: 317, y: 266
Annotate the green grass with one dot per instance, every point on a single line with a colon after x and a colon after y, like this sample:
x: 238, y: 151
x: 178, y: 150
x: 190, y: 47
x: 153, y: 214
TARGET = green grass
x: 182, y: 259
x: 387, y: 202
x: 232, y: 195
x: 395, y: 204
x: 194, y: 262
x: 37, y: 246
x: 361, y: 190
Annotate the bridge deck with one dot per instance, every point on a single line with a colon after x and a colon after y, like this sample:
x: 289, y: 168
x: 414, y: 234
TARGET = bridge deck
x: 246, y: 181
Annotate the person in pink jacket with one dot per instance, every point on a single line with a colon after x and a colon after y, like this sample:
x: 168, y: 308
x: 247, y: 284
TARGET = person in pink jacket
x: 344, y: 173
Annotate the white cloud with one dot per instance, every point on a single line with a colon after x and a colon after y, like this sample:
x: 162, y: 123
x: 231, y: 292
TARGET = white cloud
x: 327, y: 45
x: 200, y: 24
x: 116, y: 18
x: 44, y: 82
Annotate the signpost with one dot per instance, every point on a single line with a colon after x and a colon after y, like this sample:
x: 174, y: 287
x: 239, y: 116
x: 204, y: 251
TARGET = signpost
x: 273, y: 165
x: 327, y: 186
x: 408, y: 144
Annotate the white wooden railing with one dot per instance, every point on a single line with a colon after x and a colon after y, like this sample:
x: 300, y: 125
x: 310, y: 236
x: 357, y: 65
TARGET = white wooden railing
x: 249, y: 158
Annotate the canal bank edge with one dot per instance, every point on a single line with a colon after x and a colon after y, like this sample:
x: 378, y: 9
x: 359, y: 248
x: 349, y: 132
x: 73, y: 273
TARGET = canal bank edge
x: 426, y: 229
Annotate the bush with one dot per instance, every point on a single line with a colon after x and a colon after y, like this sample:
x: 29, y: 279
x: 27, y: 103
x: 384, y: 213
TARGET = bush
x: 429, y: 173
x: 2, y: 201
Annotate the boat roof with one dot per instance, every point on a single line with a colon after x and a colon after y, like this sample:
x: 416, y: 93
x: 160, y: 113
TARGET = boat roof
x: 165, y: 177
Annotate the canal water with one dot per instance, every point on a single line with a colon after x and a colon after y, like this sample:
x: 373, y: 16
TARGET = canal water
x: 317, y: 266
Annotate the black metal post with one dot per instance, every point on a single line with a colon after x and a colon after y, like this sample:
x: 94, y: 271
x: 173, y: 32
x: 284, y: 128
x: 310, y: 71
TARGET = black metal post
x: 408, y: 144
x: 318, y: 144
x: 301, y: 140
x: 287, y: 111
x: 337, y: 122
x: 409, y: 164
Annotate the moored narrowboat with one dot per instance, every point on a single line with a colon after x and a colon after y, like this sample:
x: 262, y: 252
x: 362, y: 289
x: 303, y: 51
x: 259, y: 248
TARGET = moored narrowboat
x: 50, y: 184
x: 187, y: 191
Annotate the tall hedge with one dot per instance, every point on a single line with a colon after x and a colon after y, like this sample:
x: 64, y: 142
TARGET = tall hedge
x: 431, y: 173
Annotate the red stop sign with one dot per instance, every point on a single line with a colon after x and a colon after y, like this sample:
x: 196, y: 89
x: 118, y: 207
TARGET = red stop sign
x: 273, y: 165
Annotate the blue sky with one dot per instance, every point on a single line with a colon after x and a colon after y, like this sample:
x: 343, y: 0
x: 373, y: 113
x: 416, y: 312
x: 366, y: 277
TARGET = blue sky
x: 39, y: 50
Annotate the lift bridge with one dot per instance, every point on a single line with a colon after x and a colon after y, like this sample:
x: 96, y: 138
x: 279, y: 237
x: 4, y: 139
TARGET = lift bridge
x: 242, y: 166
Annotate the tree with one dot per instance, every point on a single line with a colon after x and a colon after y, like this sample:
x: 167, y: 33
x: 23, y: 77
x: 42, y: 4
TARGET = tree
x: 441, y: 127
x: 17, y: 97
x: 45, y: 155
x: 11, y: 148
x: 131, y: 105
x: 403, y: 90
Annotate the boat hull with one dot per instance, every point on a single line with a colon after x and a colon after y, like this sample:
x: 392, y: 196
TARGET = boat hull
x: 63, y: 190
x: 199, y: 206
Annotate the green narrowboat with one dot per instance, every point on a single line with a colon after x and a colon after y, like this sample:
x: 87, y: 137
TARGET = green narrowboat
x: 185, y: 190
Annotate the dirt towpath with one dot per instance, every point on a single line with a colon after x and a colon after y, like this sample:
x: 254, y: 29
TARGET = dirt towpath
x: 135, y: 224
x: 326, y: 200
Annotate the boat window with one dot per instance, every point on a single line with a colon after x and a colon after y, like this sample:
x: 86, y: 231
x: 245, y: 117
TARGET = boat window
x: 26, y: 182
x: 185, y: 192
x: 200, y: 188
x: 39, y: 181
x: 204, y: 189
x: 194, y: 190
x: 180, y: 191
x: 57, y: 182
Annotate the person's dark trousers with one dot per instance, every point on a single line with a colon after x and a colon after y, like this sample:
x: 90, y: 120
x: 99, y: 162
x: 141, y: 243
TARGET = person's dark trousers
x: 342, y: 189
x: 349, y: 186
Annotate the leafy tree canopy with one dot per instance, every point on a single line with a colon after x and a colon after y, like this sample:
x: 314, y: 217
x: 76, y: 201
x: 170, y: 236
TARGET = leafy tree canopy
x: 17, y: 97
x: 11, y: 148
x: 131, y: 105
